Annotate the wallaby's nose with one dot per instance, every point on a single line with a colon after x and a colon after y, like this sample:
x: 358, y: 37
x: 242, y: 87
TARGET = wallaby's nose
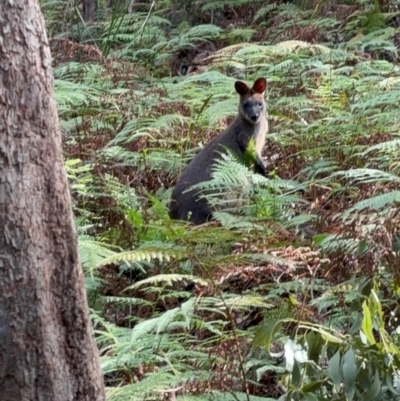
x: 254, y: 117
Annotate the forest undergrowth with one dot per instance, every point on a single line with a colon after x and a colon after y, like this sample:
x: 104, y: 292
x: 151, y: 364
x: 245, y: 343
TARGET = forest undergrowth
x: 294, y: 294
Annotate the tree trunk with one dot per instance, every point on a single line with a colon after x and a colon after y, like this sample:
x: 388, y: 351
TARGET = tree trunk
x: 90, y: 8
x: 47, y: 350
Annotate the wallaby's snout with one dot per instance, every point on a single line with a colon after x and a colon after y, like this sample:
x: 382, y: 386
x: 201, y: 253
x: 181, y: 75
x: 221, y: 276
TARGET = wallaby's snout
x: 252, y: 110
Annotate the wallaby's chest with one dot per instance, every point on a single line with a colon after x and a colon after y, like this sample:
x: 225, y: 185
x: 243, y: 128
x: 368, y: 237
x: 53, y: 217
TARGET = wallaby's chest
x: 259, y: 135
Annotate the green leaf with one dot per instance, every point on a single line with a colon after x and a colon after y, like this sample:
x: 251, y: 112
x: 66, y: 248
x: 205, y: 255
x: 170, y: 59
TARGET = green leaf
x: 315, y: 343
x: 362, y: 248
x: 204, y: 105
x: 364, y: 381
x: 389, y: 382
x: 334, y: 371
x: 266, y: 333
x: 135, y: 218
x: 311, y: 387
x: 367, y: 324
x: 365, y: 287
x: 349, y: 370
x: 310, y: 397
x: 375, y: 388
x: 296, y: 374
x: 317, y: 239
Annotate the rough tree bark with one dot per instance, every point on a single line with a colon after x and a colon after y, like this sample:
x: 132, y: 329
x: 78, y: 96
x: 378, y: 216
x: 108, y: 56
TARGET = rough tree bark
x: 47, y: 350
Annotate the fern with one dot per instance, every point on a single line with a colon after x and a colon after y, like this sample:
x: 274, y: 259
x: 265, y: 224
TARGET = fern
x: 232, y: 186
x: 377, y: 202
x: 169, y: 279
x: 142, y: 255
x: 367, y: 176
x: 264, y: 10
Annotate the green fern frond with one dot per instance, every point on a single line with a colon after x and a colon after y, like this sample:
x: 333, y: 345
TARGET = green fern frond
x: 73, y: 95
x: 92, y: 252
x: 205, y: 31
x: 263, y: 11
x: 143, y: 255
x: 340, y: 243
x: 169, y: 279
x: 377, y: 202
x: 149, y: 388
x: 246, y: 301
x: 156, y: 325
x: 149, y: 127
x: 384, y: 147
x: 126, y: 301
x: 378, y: 100
x: 220, y: 4
x: 298, y: 45
x: 389, y: 83
x: 250, y: 154
x: 217, y: 395
x: 367, y: 175
x: 239, y: 34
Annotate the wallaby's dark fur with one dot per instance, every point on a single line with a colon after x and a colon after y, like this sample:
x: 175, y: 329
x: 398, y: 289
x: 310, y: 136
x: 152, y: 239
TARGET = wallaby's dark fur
x: 250, y: 123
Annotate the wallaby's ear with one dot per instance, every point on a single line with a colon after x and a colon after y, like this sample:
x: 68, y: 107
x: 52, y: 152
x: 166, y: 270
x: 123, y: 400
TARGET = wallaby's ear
x: 241, y: 88
x: 260, y: 85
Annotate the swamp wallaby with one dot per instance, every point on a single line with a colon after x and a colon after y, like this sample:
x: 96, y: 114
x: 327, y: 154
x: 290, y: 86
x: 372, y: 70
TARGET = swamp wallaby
x: 250, y: 123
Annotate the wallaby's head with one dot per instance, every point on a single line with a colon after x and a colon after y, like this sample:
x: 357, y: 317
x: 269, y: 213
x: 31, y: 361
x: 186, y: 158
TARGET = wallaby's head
x: 252, y: 103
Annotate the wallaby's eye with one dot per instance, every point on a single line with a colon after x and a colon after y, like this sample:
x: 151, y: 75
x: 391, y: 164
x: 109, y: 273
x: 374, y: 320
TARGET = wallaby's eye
x: 246, y: 105
x: 260, y: 104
